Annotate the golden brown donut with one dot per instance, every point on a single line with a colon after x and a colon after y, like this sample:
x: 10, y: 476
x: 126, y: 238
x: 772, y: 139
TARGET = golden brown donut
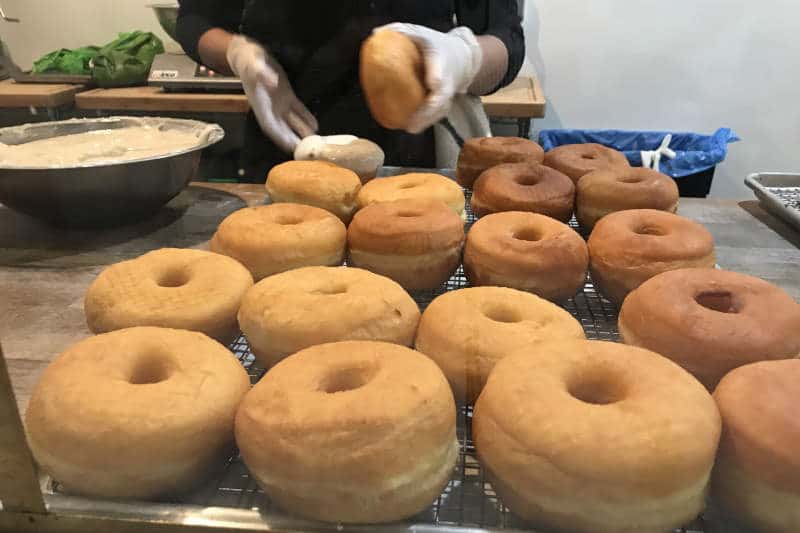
x: 350, y: 432
x: 392, y: 74
x: 482, y: 153
x: 757, y: 474
x: 362, y: 156
x: 711, y: 321
x: 268, y: 239
x: 528, y: 252
x: 417, y: 243
x: 287, y: 312
x: 629, y: 247
x: 171, y: 288
x: 590, y: 436
x: 577, y: 160
x: 606, y: 191
x: 416, y: 185
x: 524, y: 187
x: 467, y: 331
x: 138, y: 413
x: 316, y: 183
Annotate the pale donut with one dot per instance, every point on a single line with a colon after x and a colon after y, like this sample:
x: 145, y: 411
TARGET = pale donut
x: 316, y: 183
x: 608, y: 190
x: 528, y: 252
x: 171, y: 288
x: 757, y: 475
x: 419, y: 186
x: 577, y: 160
x: 362, y: 156
x: 138, y: 413
x: 482, y: 153
x: 350, y: 432
x: 417, y: 243
x: 268, y: 239
x: 467, y: 331
x: 629, y: 247
x: 294, y: 310
x: 589, y: 436
x: 711, y: 321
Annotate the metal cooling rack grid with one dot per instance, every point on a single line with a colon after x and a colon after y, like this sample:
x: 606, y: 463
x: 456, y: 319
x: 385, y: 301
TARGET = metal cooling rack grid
x: 790, y: 196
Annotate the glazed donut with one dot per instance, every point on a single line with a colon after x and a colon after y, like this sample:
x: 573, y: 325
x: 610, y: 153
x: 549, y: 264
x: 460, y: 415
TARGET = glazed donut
x: 590, y: 436
x: 139, y: 413
x: 316, y: 183
x: 314, y: 305
x: 711, y: 321
x: 420, y: 186
x: 466, y: 332
x: 417, y: 243
x: 757, y: 474
x: 524, y: 187
x: 171, y: 288
x: 361, y: 156
x: 350, y: 432
x: 528, y: 252
x: 392, y: 73
x: 605, y: 191
x: 577, y: 160
x: 268, y: 239
x: 629, y: 247
x: 482, y: 153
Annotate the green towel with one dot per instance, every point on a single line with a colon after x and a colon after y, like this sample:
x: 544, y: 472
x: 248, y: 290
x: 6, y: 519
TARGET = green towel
x: 124, y: 61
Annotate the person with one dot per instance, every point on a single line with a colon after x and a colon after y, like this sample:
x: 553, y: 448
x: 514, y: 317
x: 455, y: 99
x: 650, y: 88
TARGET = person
x: 298, y: 62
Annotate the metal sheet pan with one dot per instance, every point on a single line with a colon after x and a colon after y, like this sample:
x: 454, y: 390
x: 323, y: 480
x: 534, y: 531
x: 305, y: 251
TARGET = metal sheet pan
x: 779, y: 194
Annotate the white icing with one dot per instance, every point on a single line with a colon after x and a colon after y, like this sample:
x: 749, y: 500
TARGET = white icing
x: 310, y: 147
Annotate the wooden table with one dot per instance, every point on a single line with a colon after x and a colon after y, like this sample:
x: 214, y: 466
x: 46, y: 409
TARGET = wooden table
x: 48, y: 96
x: 45, y: 272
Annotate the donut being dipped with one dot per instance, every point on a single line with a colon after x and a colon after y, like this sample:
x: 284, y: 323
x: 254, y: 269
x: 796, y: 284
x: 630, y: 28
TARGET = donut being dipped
x: 757, y: 474
x: 711, y: 321
x: 482, y: 153
x: 417, y: 243
x: 320, y: 434
x: 97, y: 421
x: 589, y: 436
x: 577, y: 160
x: 415, y: 185
x: 362, y: 156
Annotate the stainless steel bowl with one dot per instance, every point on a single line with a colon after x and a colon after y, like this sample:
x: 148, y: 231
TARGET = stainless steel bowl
x: 104, y: 193
x: 167, y: 15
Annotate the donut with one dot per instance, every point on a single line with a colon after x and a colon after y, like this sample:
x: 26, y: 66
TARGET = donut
x: 608, y: 190
x: 524, y: 187
x: 171, y: 288
x: 466, y: 332
x: 711, y: 321
x: 392, y: 73
x: 139, y: 413
x: 417, y: 243
x: 416, y: 185
x: 287, y: 312
x: 268, y: 239
x: 353, y: 431
x: 528, y: 252
x: 757, y: 474
x: 316, y: 183
x: 590, y: 436
x: 629, y: 247
x: 482, y: 153
x: 577, y: 160
x: 362, y: 156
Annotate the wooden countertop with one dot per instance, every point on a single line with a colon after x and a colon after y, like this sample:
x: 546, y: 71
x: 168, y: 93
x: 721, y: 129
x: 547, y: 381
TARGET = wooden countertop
x: 14, y: 94
x: 44, y: 272
x: 524, y: 98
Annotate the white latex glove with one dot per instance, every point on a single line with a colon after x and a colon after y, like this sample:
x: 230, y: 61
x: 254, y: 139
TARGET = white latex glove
x: 281, y: 115
x: 452, y: 60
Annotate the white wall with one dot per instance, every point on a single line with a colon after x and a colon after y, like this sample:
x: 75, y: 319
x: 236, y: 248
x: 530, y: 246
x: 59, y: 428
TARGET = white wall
x: 684, y: 64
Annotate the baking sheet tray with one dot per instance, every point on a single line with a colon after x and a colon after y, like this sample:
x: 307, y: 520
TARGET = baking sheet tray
x: 779, y: 194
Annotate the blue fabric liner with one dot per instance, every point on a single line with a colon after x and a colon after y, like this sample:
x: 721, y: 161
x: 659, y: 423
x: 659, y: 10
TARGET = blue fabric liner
x: 695, y: 152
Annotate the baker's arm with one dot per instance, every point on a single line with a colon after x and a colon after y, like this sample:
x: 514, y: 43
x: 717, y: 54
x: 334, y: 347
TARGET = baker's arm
x: 205, y: 29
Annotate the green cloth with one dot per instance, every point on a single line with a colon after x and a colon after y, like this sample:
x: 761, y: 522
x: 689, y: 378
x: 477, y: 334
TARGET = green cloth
x: 124, y: 61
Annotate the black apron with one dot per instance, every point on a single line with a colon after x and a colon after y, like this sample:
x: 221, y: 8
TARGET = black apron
x: 317, y: 43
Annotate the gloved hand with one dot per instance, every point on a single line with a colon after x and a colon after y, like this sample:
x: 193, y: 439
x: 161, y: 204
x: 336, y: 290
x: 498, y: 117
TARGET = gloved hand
x: 281, y: 115
x: 452, y: 60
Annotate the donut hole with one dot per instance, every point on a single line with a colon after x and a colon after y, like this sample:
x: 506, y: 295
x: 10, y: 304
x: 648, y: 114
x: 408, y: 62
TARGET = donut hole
x: 409, y: 214
x: 505, y: 141
x: 597, y: 390
x: 528, y: 180
x: 630, y: 179
x: 502, y: 313
x: 650, y: 230
x: 409, y: 185
x: 175, y: 277
x: 149, y: 371
x: 588, y: 156
x: 331, y: 290
x: 527, y: 234
x: 346, y: 379
x: 719, y: 301
x: 288, y: 220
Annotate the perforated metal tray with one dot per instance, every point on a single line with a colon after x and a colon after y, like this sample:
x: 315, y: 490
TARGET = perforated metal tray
x: 779, y: 194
